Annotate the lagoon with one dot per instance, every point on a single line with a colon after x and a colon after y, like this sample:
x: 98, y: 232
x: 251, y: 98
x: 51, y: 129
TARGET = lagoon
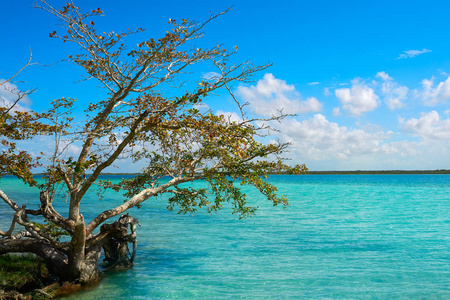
x: 342, y: 237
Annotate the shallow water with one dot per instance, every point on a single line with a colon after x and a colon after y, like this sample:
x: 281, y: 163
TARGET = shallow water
x: 342, y: 237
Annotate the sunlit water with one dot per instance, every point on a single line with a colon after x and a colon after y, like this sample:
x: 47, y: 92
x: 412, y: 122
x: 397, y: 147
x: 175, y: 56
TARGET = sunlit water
x: 342, y: 237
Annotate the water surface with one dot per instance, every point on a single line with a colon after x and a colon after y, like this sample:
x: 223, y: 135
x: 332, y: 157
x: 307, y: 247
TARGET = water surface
x: 342, y: 237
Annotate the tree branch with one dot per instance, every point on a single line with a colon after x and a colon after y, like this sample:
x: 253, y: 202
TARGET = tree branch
x: 136, y: 200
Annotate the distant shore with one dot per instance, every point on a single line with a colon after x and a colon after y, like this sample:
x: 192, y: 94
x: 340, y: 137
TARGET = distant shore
x: 350, y: 172
x: 374, y: 172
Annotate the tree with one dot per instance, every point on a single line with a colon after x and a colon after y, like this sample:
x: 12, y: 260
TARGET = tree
x: 170, y: 136
x: 17, y: 123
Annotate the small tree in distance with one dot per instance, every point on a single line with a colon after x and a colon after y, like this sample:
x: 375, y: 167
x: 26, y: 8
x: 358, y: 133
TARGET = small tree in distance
x: 168, y: 135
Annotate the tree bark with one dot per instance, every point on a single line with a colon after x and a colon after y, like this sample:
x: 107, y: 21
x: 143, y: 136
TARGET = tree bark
x: 77, y: 261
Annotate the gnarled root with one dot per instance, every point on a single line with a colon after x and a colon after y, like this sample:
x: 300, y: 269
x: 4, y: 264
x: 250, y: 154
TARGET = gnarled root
x: 116, y: 248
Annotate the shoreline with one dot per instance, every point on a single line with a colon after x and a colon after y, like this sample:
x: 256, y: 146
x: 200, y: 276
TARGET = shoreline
x: 328, y: 172
x: 381, y: 172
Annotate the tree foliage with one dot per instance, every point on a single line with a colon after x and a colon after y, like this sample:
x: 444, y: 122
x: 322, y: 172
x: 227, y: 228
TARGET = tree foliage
x: 16, y: 125
x: 151, y: 117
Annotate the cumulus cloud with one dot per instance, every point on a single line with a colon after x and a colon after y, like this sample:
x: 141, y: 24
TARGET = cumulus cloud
x: 310, y: 105
x: 412, y: 53
x: 336, y: 111
x: 317, y: 139
x: 230, y: 116
x: 429, y: 126
x: 432, y: 94
x: 9, y: 93
x: 358, y: 99
x: 325, y: 145
x: 326, y: 92
x: 383, y: 75
x: 393, y: 93
x: 271, y: 95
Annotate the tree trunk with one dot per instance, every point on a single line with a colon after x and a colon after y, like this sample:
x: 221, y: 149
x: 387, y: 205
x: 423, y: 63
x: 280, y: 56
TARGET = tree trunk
x: 78, y: 262
x: 83, y: 260
x: 85, y: 270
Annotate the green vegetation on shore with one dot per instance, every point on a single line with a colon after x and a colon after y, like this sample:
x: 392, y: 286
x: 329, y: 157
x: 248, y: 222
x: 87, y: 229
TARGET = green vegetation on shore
x: 350, y: 172
x: 24, y: 274
x: 369, y: 172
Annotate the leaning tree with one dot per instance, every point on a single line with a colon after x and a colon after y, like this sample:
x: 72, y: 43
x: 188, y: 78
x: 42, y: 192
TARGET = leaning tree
x: 152, y: 116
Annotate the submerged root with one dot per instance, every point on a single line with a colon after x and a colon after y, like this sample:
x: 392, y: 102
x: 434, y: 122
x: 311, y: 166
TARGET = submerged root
x: 117, y: 252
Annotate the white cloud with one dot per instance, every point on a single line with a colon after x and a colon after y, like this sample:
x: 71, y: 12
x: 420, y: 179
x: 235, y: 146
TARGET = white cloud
x: 73, y: 150
x: 383, y: 75
x: 336, y: 111
x: 271, y: 95
x: 203, y: 107
x: 310, y: 105
x: 230, y: 116
x: 317, y: 139
x: 412, y: 53
x: 211, y: 75
x: 314, y: 83
x: 270, y: 85
x: 325, y: 145
x: 431, y: 94
x: 429, y: 126
x: 9, y: 94
x: 393, y: 93
x: 359, y: 99
x: 326, y: 92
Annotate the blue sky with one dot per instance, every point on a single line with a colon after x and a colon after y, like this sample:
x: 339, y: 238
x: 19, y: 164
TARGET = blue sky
x: 368, y: 80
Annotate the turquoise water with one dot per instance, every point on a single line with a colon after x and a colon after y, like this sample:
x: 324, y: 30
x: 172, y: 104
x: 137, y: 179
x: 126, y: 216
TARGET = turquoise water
x: 342, y: 237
